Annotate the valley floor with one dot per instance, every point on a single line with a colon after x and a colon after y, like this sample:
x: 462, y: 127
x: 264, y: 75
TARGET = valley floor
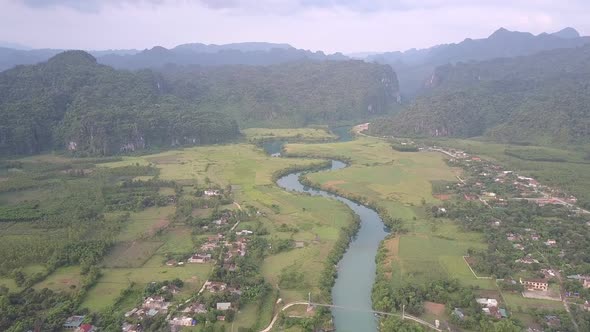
x: 397, y: 183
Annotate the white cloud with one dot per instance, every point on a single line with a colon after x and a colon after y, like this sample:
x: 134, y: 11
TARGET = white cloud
x: 330, y: 25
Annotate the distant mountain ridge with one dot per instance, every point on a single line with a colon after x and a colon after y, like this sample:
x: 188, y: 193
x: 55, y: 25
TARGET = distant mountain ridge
x: 249, y: 53
x: 414, y: 67
x: 536, y: 99
x: 217, y: 55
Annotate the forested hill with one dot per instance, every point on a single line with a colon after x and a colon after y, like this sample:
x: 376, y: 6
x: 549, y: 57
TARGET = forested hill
x: 542, y: 99
x: 288, y: 95
x: 72, y: 102
x: 415, y: 67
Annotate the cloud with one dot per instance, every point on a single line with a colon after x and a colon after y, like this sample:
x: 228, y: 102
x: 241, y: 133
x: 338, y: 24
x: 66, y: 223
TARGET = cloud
x: 86, y: 5
x: 328, y: 25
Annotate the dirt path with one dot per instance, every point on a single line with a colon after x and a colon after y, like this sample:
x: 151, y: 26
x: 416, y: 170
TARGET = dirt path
x: 392, y: 246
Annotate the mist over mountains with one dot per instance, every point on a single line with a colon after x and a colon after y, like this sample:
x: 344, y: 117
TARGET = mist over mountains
x: 415, y: 67
x: 250, y: 53
x: 493, y: 86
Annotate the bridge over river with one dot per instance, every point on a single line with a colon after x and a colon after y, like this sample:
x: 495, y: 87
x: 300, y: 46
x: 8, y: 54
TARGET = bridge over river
x: 403, y: 315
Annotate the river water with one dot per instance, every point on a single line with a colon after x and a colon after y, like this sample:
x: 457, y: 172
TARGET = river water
x: 356, y: 270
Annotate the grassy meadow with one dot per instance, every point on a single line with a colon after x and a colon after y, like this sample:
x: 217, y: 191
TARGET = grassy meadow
x: 309, y: 134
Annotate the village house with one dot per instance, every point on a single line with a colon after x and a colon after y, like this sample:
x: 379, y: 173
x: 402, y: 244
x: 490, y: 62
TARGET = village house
x: 127, y: 327
x: 535, y: 237
x: 535, y: 284
x: 195, y: 308
x: 526, y: 260
x: 299, y: 244
x: 548, y: 273
x: 211, y: 192
x: 550, y: 243
x: 214, y: 286
x: 173, y: 289
x: 183, y: 321
x: 73, y: 322
x: 459, y: 313
x: 207, y: 246
x: 156, y: 302
x: 199, y: 258
x: 171, y: 262
x: 487, y: 302
x: 244, y: 232
x: 230, y: 266
x: 223, y: 306
x: 220, y: 222
x: 86, y: 328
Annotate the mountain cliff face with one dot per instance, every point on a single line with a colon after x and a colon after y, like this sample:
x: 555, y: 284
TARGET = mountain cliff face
x: 542, y: 99
x: 415, y: 67
x: 72, y: 102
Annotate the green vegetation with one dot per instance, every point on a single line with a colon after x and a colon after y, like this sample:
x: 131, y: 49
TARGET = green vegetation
x: 307, y: 134
x: 571, y: 175
x: 538, y: 99
x: 115, y: 231
x: 72, y: 102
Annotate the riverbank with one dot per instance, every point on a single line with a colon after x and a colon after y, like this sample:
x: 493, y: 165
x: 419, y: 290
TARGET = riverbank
x: 399, y: 185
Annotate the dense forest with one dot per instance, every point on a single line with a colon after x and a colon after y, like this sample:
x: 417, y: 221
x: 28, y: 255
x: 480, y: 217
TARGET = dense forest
x: 540, y: 99
x: 292, y: 95
x: 73, y: 102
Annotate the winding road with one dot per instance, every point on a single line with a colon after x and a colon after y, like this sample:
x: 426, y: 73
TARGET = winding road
x: 405, y: 316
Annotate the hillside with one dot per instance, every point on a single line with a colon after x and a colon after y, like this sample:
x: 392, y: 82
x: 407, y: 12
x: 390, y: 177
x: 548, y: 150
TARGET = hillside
x: 288, y: 95
x: 542, y: 99
x: 73, y: 102
x: 415, y: 67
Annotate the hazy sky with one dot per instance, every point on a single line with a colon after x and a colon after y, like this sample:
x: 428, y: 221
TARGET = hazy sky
x: 329, y: 25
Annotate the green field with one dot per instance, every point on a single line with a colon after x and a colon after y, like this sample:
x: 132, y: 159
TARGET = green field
x: 250, y: 172
x: 401, y: 182
x: 115, y: 280
x: 287, y: 133
x: 144, y: 224
x: 398, y: 182
x: 65, y: 279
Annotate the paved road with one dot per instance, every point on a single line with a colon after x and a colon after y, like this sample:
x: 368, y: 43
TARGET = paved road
x: 406, y: 316
x: 274, y: 319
